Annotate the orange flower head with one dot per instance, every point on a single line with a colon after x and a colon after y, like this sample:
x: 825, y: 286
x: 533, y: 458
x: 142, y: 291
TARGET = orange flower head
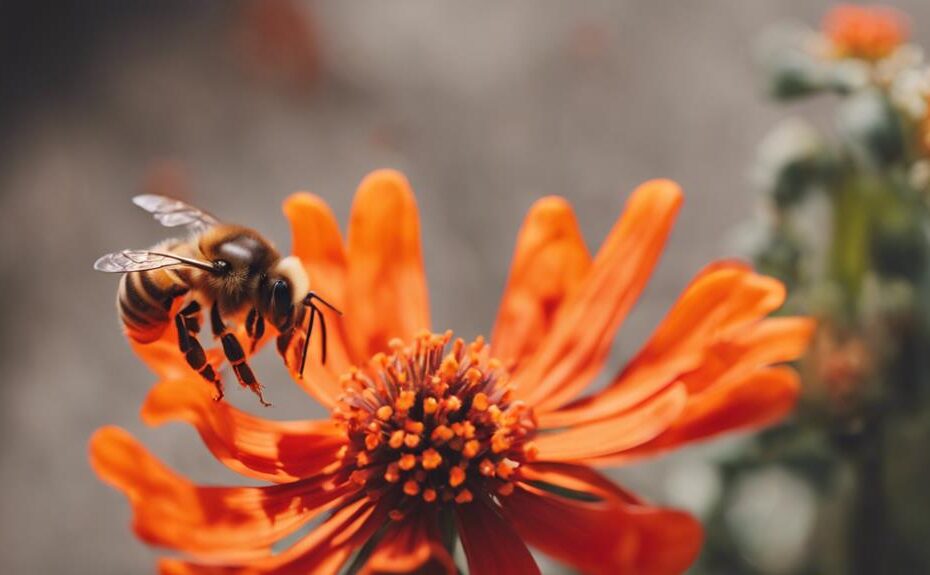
x: 450, y: 412
x: 492, y: 441
x: 865, y: 32
x: 843, y: 362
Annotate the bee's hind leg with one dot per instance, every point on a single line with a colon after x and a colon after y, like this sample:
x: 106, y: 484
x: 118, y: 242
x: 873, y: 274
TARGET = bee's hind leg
x: 193, y: 351
x: 235, y: 355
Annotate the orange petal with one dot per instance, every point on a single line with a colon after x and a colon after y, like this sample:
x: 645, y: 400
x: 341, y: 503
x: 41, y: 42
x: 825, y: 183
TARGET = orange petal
x: 768, y: 342
x: 610, y: 437
x: 269, y: 450
x: 755, y: 400
x: 386, y: 294
x: 579, y: 478
x: 550, y: 260
x: 722, y: 299
x: 317, y: 242
x: 324, y: 550
x: 490, y: 542
x: 576, y: 347
x: 229, y: 522
x: 605, y: 537
x: 412, y: 545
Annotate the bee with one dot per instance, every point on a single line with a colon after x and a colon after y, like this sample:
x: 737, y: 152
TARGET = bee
x: 231, y: 269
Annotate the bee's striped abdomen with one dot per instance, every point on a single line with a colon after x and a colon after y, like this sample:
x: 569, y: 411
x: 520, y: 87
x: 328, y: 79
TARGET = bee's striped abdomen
x: 144, y: 301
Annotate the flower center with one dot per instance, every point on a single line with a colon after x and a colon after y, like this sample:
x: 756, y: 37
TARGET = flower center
x: 434, y: 423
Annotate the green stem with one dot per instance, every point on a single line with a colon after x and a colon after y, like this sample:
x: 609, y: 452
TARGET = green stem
x: 849, y: 249
x: 868, y: 538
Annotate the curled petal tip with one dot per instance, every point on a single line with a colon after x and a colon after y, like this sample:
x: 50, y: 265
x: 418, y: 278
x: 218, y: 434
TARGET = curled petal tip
x: 551, y: 203
x: 301, y: 200
x: 668, y: 189
x: 385, y: 187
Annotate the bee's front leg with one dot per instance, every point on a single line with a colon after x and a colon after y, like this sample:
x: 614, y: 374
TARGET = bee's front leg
x: 286, y: 338
x: 235, y: 354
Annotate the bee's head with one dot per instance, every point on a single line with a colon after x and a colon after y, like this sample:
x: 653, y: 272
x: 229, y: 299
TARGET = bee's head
x: 237, y: 251
x: 282, y: 291
x: 240, y: 258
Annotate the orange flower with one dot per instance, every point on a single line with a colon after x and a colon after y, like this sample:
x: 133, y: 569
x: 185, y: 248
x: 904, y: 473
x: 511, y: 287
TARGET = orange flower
x: 866, y: 32
x: 432, y: 436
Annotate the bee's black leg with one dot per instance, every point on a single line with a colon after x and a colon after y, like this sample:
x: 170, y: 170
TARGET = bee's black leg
x: 287, y: 336
x: 235, y: 355
x: 254, y: 328
x: 192, y: 316
x: 314, y: 310
x: 195, y: 355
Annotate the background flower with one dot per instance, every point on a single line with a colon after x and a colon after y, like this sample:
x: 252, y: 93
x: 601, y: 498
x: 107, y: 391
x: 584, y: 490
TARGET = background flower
x: 846, y: 229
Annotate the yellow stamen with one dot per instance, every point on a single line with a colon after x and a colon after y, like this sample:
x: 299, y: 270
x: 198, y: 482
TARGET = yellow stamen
x: 431, y: 459
x: 456, y: 476
x: 453, y: 404
x: 505, y: 469
x: 471, y: 448
x: 397, y: 439
x: 392, y: 473
x: 413, y: 426
x: 449, y: 367
x: 473, y: 375
x: 407, y: 461
x: 442, y: 434
x: 405, y: 401
x: 499, y: 441
x: 411, y: 488
x: 464, y: 496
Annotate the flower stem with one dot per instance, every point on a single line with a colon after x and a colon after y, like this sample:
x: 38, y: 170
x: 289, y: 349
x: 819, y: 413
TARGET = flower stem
x: 867, y: 542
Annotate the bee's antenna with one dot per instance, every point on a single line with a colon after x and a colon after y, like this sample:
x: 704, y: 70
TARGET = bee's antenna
x: 313, y: 296
x: 323, y: 336
x: 314, y: 311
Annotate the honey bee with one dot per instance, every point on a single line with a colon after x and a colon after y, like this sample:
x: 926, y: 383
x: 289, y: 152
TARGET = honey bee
x: 231, y: 269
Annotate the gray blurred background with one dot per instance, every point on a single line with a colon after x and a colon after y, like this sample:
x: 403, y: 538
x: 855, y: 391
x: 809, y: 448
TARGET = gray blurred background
x: 486, y: 106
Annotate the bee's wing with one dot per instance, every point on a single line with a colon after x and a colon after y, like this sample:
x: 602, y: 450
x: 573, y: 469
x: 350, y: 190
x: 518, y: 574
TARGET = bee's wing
x: 171, y: 212
x: 141, y: 260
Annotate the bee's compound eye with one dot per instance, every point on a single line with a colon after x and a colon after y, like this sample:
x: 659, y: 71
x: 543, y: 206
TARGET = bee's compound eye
x: 221, y: 266
x: 281, y: 298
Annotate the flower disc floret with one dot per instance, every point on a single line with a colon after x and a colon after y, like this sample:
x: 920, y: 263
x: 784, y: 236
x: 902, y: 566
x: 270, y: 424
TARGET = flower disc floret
x: 434, y: 421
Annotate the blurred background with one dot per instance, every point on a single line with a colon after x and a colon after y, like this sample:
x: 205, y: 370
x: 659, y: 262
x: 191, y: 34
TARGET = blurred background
x: 485, y: 106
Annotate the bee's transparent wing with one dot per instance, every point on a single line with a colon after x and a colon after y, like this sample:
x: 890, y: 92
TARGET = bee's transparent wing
x: 171, y: 212
x: 141, y: 260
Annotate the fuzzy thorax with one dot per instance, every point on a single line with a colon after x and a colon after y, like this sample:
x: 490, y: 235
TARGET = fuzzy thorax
x: 291, y: 268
